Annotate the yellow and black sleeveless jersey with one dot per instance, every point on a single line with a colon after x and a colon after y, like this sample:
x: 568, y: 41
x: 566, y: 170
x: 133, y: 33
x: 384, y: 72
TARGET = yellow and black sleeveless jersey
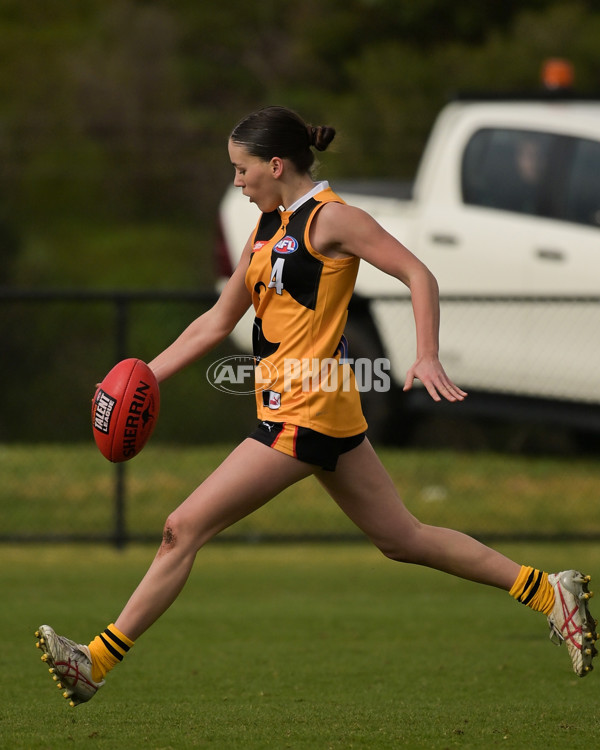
x: 301, y: 302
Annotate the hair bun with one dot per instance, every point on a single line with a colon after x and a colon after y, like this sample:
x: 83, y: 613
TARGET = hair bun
x: 320, y: 137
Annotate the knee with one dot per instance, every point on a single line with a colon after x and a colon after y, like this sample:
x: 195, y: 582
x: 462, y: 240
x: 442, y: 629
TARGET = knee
x: 396, y: 553
x: 169, y: 537
x: 403, y: 548
x: 176, y: 536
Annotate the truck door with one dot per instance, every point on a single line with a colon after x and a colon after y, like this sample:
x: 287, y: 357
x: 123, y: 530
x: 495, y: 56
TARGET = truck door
x: 506, y: 228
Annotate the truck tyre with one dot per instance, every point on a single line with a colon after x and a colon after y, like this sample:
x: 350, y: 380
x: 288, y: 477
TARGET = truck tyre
x: 378, y: 407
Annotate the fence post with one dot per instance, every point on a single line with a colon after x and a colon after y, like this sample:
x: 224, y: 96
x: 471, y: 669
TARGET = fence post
x: 121, y: 337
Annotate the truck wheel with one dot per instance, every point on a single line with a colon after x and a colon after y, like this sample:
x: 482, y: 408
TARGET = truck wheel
x: 378, y: 407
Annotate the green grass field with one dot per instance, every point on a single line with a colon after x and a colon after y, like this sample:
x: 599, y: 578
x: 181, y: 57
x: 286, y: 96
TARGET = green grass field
x: 294, y: 646
x: 62, y: 489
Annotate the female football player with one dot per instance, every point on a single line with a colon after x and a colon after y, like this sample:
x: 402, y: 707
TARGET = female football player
x: 298, y: 270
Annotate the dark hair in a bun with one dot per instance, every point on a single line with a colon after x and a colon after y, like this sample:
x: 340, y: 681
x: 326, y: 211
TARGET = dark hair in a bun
x: 278, y: 131
x: 321, y: 136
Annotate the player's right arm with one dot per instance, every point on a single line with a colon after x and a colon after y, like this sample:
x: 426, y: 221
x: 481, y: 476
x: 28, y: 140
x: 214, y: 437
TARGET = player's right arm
x: 211, y: 327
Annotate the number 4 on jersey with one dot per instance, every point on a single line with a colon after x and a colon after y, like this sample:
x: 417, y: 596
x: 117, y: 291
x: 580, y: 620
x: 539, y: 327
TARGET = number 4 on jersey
x: 277, y: 276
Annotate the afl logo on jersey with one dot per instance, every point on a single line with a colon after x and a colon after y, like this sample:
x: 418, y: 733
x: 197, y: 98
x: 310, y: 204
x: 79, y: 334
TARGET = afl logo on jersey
x: 286, y: 245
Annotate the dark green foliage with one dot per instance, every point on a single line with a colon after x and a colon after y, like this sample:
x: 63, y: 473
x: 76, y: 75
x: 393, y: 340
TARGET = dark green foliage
x: 114, y: 118
x: 119, y: 112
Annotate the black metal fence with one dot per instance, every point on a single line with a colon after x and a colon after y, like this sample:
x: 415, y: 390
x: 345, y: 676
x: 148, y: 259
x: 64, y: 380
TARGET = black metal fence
x: 55, y: 485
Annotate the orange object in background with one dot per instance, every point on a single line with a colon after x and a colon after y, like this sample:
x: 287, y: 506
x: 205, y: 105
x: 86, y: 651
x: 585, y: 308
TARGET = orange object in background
x: 558, y: 74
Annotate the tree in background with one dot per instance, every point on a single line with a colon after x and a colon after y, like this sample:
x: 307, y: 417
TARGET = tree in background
x: 114, y: 117
x: 118, y: 112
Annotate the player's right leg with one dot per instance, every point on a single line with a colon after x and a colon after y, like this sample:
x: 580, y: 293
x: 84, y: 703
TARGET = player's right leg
x: 70, y: 665
x: 248, y: 478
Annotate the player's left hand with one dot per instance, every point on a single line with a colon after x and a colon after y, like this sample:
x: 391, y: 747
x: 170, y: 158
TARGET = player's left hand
x: 430, y: 372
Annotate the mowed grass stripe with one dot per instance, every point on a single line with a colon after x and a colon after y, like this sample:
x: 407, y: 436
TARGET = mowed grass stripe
x: 56, y: 489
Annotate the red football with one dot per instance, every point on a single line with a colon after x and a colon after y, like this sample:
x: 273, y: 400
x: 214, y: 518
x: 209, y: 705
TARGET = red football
x: 125, y: 409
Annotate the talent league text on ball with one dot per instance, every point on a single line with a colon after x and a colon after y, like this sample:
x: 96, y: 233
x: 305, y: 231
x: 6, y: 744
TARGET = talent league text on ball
x: 105, y: 405
x: 104, y: 409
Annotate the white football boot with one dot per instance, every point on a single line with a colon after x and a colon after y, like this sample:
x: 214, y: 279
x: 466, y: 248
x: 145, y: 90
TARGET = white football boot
x: 570, y: 621
x: 70, y: 665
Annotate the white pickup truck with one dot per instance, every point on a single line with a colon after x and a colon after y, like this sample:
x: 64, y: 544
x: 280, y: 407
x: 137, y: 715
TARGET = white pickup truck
x: 505, y: 211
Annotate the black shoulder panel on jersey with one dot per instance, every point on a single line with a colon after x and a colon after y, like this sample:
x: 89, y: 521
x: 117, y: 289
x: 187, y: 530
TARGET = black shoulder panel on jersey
x: 302, y: 270
x: 268, y: 225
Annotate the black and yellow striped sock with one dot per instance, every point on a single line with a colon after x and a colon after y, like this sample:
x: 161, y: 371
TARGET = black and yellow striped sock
x: 107, y: 650
x: 533, y: 589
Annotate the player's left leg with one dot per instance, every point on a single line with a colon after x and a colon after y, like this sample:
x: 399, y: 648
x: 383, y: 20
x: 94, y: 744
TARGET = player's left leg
x: 364, y: 490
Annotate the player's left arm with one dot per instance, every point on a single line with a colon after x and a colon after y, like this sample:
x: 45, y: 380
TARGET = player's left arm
x: 346, y: 230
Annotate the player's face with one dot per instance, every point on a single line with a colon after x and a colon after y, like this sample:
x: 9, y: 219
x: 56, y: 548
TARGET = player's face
x: 255, y: 177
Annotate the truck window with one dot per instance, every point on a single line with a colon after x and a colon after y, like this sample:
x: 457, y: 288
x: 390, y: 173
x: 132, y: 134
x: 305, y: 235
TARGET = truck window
x: 582, y: 185
x: 507, y: 169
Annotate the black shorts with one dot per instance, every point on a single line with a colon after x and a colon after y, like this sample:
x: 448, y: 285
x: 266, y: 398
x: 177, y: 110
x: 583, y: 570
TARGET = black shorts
x: 305, y: 444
